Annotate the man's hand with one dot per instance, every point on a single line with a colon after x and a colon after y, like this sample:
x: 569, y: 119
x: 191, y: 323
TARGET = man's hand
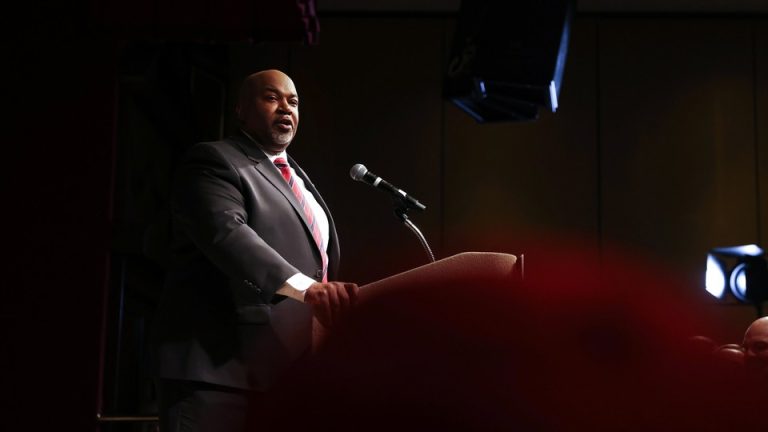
x: 331, y: 300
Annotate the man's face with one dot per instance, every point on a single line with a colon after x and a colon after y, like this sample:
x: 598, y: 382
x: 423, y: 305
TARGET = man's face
x: 756, y: 347
x: 270, y: 112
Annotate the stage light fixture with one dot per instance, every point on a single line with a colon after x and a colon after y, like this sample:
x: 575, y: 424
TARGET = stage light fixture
x: 715, y: 277
x: 740, y: 270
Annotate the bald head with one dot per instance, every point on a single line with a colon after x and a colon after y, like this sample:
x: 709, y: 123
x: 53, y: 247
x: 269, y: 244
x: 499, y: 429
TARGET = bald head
x: 756, y: 348
x: 268, y: 109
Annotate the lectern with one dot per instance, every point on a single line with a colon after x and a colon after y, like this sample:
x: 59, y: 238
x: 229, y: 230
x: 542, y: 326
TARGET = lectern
x: 465, y: 268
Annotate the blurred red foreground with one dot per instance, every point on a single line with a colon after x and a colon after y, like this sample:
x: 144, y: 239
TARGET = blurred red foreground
x: 582, y: 344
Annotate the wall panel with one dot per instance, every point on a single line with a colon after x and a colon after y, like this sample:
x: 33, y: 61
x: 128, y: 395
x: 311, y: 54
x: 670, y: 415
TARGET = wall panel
x: 677, y: 138
x: 508, y: 181
x: 761, y: 75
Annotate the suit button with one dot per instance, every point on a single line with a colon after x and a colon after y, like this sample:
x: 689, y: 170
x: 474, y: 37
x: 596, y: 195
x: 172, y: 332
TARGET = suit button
x: 319, y: 274
x: 258, y: 290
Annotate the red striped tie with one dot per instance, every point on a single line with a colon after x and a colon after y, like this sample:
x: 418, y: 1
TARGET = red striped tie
x: 282, y: 165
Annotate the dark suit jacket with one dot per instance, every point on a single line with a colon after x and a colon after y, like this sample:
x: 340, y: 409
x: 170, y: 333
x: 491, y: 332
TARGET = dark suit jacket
x: 239, y: 234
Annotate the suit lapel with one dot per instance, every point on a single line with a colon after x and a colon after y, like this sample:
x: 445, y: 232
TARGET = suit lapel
x: 266, y: 168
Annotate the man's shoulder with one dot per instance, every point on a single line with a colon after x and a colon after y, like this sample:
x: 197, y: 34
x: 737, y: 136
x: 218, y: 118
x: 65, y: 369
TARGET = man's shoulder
x: 223, y: 146
x: 231, y: 148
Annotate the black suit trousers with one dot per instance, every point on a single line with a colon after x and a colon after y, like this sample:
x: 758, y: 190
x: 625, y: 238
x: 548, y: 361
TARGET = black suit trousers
x: 190, y: 406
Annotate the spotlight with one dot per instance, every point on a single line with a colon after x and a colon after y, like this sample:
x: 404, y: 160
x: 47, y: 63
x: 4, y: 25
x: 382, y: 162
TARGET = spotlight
x: 715, y: 278
x: 747, y: 279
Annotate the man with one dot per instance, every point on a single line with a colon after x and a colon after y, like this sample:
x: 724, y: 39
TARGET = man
x: 255, y: 246
x: 755, y: 347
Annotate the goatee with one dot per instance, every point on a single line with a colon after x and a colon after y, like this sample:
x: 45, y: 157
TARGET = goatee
x: 282, y: 138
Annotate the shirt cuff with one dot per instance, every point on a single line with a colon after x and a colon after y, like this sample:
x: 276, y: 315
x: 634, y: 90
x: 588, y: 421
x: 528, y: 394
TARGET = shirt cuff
x: 296, y: 286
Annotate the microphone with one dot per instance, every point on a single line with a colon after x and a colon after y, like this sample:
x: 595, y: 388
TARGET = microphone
x: 360, y: 173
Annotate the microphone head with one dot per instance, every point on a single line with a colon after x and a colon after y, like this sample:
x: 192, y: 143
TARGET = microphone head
x: 358, y: 171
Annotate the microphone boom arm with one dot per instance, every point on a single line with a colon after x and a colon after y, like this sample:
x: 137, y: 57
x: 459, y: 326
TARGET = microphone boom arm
x: 403, y: 201
x: 402, y: 213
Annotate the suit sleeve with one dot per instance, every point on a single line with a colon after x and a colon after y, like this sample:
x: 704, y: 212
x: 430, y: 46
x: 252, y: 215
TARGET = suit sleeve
x: 207, y: 203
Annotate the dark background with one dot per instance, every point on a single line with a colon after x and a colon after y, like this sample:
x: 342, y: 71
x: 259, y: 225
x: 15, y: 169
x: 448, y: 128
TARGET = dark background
x: 660, y: 148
